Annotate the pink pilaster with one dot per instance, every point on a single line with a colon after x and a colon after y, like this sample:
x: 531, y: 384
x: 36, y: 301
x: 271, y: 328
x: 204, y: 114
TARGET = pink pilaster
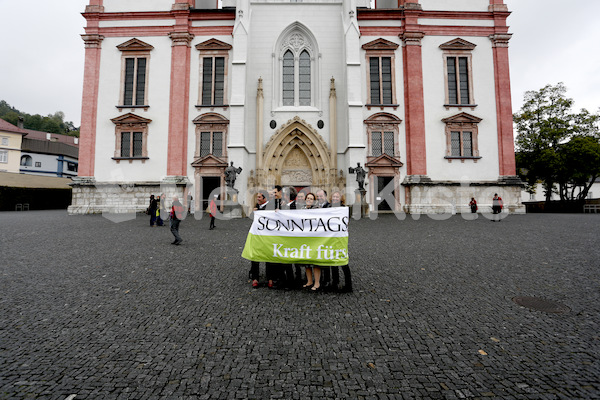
x: 179, y: 95
x: 506, y: 149
x: 89, y: 104
x: 414, y: 104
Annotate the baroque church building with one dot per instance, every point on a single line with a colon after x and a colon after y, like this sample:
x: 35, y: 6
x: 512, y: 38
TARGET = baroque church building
x: 297, y: 93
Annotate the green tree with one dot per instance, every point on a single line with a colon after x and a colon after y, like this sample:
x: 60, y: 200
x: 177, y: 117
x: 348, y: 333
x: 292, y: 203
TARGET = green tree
x: 546, y: 126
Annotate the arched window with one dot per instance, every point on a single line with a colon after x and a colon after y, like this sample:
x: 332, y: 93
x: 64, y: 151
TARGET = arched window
x: 295, y: 62
x: 26, y: 161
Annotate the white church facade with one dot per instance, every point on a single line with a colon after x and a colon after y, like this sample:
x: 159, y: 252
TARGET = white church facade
x: 296, y: 93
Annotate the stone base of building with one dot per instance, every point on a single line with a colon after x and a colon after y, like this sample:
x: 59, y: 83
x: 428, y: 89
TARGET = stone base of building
x: 92, y: 197
x: 424, y: 196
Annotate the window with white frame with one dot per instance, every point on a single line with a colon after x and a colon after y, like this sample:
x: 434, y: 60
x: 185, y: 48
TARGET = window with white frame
x: 458, y: 73
x: 135, y: 57
x: 5, y: 141
x: 4, y: 156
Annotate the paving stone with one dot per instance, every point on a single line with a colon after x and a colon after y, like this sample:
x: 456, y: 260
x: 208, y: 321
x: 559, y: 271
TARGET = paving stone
x: 113, y: 311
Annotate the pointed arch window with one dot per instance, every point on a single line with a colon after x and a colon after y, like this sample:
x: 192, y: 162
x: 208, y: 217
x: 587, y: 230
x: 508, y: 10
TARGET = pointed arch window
x: 297, y: 56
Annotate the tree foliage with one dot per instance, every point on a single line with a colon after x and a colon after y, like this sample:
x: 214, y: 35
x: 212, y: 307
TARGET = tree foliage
x: 52, y: 123
x: 556, y: 146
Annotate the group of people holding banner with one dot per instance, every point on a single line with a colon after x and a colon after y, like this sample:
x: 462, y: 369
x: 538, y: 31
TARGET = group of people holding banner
x: 311, y: 238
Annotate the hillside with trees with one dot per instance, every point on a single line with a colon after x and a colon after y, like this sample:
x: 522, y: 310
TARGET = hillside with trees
x: 52, y: 123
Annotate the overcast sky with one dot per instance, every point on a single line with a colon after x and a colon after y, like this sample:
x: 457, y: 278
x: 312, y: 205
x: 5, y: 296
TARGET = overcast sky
x: 42, y: 54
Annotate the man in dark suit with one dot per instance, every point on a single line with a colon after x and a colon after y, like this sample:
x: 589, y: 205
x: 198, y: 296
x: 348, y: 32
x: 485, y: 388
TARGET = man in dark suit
x: 322, y: 199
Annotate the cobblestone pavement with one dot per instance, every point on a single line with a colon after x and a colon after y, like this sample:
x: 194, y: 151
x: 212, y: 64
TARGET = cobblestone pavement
x: 105, y: 310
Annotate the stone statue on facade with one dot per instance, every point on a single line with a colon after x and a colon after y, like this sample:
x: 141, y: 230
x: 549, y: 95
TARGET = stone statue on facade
x: 231, y: 173
x: 360, y: 175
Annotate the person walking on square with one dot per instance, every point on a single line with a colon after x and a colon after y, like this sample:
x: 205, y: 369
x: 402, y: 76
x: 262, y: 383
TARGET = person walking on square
x: 160, y: 210
x: 175, y: 216
x: 473, y: 205
x: 213, y: 211
x: 152, y: 210
x: 497, y: 206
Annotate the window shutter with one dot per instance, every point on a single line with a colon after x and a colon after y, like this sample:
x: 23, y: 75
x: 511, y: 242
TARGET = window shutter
x: 204, y: 144
x: 463, y: 67
x: 217, y: 149
x: 455, y: 144
x: 129, y: 74
x: 374, y: 79
x: 376, y: 144
x: 452, y: 88
x: 125, y: 144
x: 140, y: 87
x: 207, y: 82
x: 467, y: 144
x: 219, y: 80
x: 137, y: 144
x: 386, y: 79
x: 388, y: 143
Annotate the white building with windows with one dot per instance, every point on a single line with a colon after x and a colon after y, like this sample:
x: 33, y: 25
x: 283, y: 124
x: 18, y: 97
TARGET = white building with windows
x: 296, y: 93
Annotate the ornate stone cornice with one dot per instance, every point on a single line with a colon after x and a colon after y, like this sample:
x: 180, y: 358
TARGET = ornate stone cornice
x: 92, y: 41
x: 412, y: 38
x: 181, y: 38
x: 500, y: 39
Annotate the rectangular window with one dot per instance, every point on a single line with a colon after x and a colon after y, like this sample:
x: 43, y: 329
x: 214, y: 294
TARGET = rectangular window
x: 458, y: 80
x: 4, y: 141
x: 461, y: 144
x: 4, y: 156
x: 132, y: 144
x: 135, y: 82
x: 38, y: 164
x: 213, y: 81
x: 211, y: 143
x: 380, y: 78
x: 71, y: 166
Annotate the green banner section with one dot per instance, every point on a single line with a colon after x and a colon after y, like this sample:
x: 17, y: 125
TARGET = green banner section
x: 297, y: 250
